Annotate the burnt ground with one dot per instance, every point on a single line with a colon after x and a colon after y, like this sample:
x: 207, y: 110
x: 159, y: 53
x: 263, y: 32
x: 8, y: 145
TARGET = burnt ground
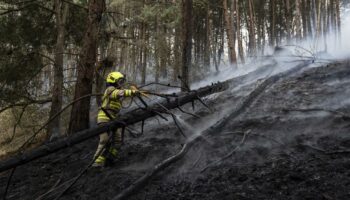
x: 297, y: 146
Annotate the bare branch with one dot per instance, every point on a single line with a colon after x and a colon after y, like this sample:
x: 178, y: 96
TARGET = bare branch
x: 44, y: 101
x: 344, y: 115
x: 17, y: 123
x: 229, y: 154
x: 52, y: 118
x: 8, y: 182
x: 53, y: 188
x: 327, y: 152
x: 161, y: 84
x: 188, y: 113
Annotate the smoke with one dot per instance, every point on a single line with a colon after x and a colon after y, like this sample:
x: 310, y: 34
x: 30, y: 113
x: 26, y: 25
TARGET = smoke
x: 323, y: 50
x: 333, y: 46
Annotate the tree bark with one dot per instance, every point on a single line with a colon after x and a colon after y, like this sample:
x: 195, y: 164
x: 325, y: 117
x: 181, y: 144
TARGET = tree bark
x: 337, y: 7
x: 187, y: 26
x: 177, y: 53
x: 207, y: 39
x: 251, y: 28
x: 298, y: 20
x: 229, y: 34
x: 61, y: 11
x: 143, y: 51
x: 304, y: 18
x: 238, y: 29
x: 80, y: 111
x: 288, y: 20
x: 272, y: 23
x: 318, y: 24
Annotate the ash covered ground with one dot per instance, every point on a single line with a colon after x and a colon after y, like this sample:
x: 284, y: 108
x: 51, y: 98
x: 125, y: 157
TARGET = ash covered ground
x: 291, y: 142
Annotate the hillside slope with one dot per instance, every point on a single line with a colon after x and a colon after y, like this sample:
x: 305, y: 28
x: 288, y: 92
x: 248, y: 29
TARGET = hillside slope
x: 296, y: 146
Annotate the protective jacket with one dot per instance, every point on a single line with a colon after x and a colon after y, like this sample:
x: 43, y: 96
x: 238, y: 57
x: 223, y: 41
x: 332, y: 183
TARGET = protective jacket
x: 112, y: 103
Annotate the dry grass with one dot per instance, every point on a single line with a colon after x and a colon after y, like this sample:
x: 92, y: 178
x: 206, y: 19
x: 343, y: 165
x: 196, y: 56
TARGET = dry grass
x: 31, y: 121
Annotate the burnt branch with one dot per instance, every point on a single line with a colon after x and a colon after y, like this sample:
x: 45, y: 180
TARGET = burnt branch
x: 215, y: 163
x: 344, y: 151
x: 188, y: 113
x: 204, y: 104
x: 177, y: 125
x: 52, y: 189
x: 162, y: 84
x: 343, y: 115
x: 8, y: 182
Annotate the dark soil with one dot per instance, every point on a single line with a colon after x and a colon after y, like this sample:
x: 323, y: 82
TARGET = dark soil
x: 288, y: 153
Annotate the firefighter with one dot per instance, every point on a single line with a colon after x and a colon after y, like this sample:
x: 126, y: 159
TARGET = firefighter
x: 114, y: 94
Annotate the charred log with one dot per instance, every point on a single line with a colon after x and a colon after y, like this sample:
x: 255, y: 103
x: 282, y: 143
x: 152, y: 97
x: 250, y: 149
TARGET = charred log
x: 127, y: 119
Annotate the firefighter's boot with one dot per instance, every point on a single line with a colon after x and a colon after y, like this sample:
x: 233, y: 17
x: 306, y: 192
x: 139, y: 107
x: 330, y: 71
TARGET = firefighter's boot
x: 100, y: 161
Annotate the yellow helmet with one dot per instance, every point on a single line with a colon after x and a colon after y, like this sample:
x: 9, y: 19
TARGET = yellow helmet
x: 115, y: 77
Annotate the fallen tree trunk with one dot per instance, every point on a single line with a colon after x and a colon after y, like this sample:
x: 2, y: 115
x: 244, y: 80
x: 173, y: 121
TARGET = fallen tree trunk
x: 127, y: 119
x: 217, y: 127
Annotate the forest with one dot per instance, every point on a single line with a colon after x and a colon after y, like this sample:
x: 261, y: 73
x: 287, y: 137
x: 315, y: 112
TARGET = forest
x: 237, y: 76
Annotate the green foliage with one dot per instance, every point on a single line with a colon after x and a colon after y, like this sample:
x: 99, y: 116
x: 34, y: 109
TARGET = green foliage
x: 76, y: 23
x: 22, y: 36
x: 164, y: 14
x: 27, y: 32
x: 200, y: 6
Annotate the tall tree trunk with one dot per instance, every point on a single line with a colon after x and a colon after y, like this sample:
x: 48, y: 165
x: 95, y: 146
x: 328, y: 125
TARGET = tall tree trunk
x: 309, y: 18
x: 238, y: 29
x: 229, y: 34
x: 61, y: 10
x: 314, y: 17
x: 251, y: 28
x: 218, y: 42
x: 288, y: 19
x: 337, y: 11
x: 177, y: 53
x: 298, y: 20
x: 142, y: 43
x: 207, y: 40
x: 272, y: 23
x: 187, y: 27
x: 157, y: 52
x: 318, y: 29
x: 80, y: 111
x: 304, y: 18
x: 325, y: 16
x: 164, y: 55
x: 144, y: 57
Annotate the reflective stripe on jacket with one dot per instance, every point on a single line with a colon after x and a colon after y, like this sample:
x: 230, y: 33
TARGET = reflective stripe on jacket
x: 112, y: 103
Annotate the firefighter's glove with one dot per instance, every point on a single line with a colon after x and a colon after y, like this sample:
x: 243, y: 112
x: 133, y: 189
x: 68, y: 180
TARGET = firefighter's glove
x: 144, y: 94
x: 133, y: 87
x: 140, y: 93
x: 136, y: 93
